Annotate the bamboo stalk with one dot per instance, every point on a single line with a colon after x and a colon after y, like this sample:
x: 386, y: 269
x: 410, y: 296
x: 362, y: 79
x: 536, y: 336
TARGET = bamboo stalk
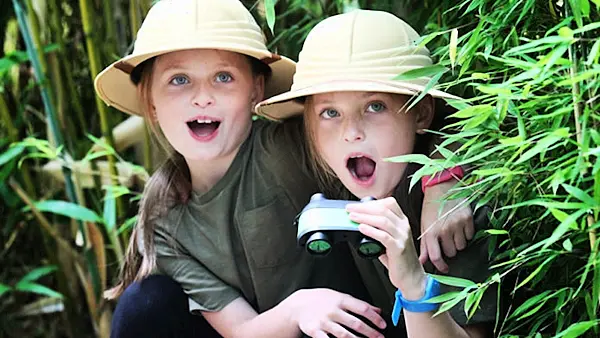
x: 74, y: 100
x: 94, y: 58
x: 110, y: 34
x: 577, y: 105
x: 134, y: 17
x: 53, y: 126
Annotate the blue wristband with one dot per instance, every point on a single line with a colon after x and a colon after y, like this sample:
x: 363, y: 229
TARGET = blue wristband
x: 431, y: 290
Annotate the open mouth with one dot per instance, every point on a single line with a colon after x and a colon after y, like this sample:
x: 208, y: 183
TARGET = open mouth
x: 203, y: 128
x: 361, y: 167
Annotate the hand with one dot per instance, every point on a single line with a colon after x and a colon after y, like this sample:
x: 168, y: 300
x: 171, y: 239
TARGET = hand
x: 453, y: 227
x: 384, y: 221
x: 321, y: 311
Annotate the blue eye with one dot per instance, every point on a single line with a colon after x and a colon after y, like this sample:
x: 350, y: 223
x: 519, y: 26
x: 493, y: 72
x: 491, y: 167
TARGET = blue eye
x: 376, y: 107
x: 179, y: 80
x: 329, y: 113
x: 224, y: 77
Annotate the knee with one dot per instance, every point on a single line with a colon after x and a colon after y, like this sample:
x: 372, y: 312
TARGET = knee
x: 151, y: 300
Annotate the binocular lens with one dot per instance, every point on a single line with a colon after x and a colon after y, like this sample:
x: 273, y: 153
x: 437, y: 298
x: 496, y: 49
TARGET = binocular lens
x: 370, y: 249
x: 319, y: 246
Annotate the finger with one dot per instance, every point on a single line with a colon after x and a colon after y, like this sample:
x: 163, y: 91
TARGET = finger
x: 435, y: 255
x: 423, y: 254
x: 448, y: 245
x: 318, y: 334
x: 390, y: 243
x: 460, y: 242
x: 364, y: 309
x: 337, y: 330
x: 391, y: 225
x: 469, y: 228
x: 357, y: 325
x: 384, y: 260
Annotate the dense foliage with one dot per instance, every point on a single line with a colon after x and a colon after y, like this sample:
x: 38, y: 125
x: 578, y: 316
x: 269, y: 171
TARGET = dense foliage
x: 529, y: 130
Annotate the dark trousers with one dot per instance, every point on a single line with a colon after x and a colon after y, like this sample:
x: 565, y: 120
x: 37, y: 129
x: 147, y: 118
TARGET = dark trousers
x: 157, y: 307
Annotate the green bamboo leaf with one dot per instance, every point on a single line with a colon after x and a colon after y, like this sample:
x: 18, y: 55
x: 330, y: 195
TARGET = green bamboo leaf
x: 110, y: 210
x: 593, y: 56
x: 453, y: 46
x: 543, y: 144
x: 432, y: 82
x: 577, y: 329
x: 561, y: 216
x: 4, y: 289
x: 580, y: 195
x: 588, y: 27
x: 421, y: 72
x: 473, y: 111
x: 37, y: 288
x: 10, y: 154
x: 585, y: 7
x: 453, y: 281
x: 537, y: 45
x: 68, y: 209
x: 494, y: 90
x: 512, y: 141
x: 568, y: 245
x: 270, y: 14
x: 535, y: 272
x: 568, y: 224
x: 472, y: 302
x: 36, y: 274
x: 444, y: 297
x: 480, y: 76
x: 529, y: 303
x: 496, y: 232
x: 410, y: 158
x: 580, y: 77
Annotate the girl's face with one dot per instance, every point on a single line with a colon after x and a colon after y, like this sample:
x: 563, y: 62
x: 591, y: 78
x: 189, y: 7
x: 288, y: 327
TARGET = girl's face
x: 355, y: 131
x: 203, y: 100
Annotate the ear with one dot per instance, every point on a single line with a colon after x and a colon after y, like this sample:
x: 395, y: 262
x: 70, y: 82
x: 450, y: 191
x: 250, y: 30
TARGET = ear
x: 259, y: 90
x: 425, y: 112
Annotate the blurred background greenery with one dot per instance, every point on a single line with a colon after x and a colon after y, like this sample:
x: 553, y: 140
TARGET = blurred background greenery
x: 72, y: 169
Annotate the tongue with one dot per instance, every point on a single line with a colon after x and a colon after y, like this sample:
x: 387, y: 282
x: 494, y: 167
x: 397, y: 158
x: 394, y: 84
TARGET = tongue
x: 203, y: 129
x: 364, y: 168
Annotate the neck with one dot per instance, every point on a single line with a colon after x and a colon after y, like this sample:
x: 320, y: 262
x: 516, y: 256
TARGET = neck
x: 205, y: 174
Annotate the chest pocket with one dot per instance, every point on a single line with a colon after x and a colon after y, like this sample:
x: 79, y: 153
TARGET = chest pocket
x: 268, y: 233
x: 277, y: 265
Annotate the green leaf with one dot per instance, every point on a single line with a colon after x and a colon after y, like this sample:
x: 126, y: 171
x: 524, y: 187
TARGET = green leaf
x: 444, y: 297
x: 453, y: 46
x: 473, y: 111
x: 410, y: 158
x: 496, y: 232
x: 37, y: 288
x: 421, y: 72
x: 580, y: 195
x: 539, y: 299
x: 110, y: 210
x: 536, y: 45
x: 453, y: 281
x: 535, y: 272
x: 559, y: 215
x: 270, y: 14
x: 565, y: 32
x: 577, y: 329
x: 543, y: 144
x: 593, y: 56
x: 568, y: 245
x: 4, y: 289
x: 10, y: 154
x: 580, y: 77
x: 569, y: 223
x: 68, y: 209
x: 432, y: 82
x: 36, y: 274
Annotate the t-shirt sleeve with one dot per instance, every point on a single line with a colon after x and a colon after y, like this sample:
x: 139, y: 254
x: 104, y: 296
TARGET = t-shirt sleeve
x: 208, y: 292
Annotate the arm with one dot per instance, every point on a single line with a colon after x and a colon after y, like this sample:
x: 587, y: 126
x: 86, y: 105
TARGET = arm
x: 383, y: 220
x: 315, y: 311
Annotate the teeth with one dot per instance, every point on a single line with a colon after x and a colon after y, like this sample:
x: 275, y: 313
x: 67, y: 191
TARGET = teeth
x: 204, y: 121
x: 356, y: 156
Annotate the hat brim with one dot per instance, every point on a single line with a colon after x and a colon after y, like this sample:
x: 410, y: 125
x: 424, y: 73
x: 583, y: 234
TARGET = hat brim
x: 115, y: 87
x: 285, y: 105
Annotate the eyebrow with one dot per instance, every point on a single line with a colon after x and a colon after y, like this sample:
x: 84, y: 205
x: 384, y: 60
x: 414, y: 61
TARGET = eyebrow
x: 363, y: 95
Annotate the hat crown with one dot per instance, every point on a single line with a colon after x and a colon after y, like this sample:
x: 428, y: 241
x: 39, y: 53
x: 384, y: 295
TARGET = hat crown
x: 359, y: 45
x: 168, y: 21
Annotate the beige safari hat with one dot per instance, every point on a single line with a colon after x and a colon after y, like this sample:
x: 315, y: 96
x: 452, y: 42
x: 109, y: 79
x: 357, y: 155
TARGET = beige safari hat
x: 173, y: 25
x: 362, y: 50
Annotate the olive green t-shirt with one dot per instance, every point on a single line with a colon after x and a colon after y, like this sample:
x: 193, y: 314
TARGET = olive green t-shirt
x: 239, y: 239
